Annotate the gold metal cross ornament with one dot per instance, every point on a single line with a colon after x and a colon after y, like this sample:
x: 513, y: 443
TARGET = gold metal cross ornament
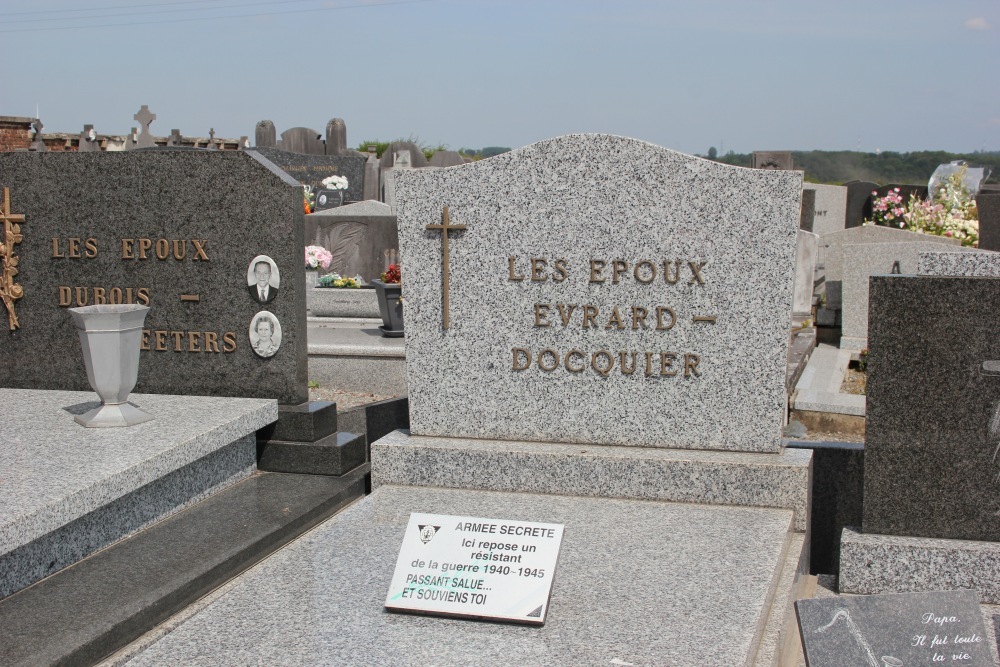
x: 9, y: 290
x: 445, y: 227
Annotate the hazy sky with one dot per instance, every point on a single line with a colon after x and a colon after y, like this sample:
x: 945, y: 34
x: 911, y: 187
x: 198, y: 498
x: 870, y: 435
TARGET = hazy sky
x: 735, y: 74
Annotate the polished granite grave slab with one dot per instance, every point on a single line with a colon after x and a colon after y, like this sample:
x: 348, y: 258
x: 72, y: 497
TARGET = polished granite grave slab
x: 644, y: 473
x: 66, y: 490
x: 637, y: 582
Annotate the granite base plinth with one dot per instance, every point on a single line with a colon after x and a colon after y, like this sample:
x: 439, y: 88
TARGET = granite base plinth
x: 871, y: 563
x: 636, y: 583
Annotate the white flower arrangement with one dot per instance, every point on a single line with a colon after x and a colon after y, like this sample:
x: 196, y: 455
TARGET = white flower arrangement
x: 335, y: 182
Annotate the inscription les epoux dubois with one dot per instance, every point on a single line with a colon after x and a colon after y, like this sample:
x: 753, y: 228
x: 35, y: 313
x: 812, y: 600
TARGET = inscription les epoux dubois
x: 650, y: 317
x: 140, y: 249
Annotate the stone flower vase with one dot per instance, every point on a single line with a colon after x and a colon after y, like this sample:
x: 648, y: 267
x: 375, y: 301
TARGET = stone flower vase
x: 390, y: 307
x: 110, y: 336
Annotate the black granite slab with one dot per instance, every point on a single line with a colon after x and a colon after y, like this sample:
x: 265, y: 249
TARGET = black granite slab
x: 336, y: 454
x: 306, y: 422
x: 312, y: 169
x: 988, y: 204
x: 85, y: 218
x: 859, y: 202
x: 933, y: 409
x: 807, y: 215
x: 894, y: 630
x: 99, y: 605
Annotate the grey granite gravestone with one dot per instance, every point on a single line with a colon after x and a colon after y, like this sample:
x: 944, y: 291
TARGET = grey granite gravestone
x: 357, y: 235
x: 933, y: 408
x: 175, y: 230
x: 830, y: 207
x: 832, y: 244
x: 303, y: 140
x: 446, y: 159
x: 894, y: 630
x: 859, y: 202
x: 175, y: 138
x: 981, y: 264
x: 781, y: 160
x: 37, y: 144
x: 563, y: 328
x: 312, y: 169
x: 417, y: 158
x: 265, y: 136
x: 806, y: 246
x: 860, y: 262
x: 988, y: 205
x: 807, y: 210
x: 145, y: 118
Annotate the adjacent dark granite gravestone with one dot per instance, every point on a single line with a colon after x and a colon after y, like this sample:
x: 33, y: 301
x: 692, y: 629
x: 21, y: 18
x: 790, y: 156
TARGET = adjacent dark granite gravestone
x: 173, y: 228
x: 312, y: 169
x: 894, y: 630
x: 302, y: 140
x: 771, y: 160
x: 265, y: 136
x: 988, y: 204
x: 807, y: 216
x: 859, y: 202
x: 357, y: 235
x: 933, y: 408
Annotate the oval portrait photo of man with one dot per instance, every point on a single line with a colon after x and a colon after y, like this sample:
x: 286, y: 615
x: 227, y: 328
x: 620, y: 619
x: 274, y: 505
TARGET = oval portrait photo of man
x: 263, y: 279
x: 265, y: 334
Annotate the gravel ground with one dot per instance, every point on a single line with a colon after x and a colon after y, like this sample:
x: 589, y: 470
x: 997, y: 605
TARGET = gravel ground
x: 345, y: 400
x: 854, y: 382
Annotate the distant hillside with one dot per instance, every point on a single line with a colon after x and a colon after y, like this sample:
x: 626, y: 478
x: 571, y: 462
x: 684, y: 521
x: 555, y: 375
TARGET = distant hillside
x: 888, y: 167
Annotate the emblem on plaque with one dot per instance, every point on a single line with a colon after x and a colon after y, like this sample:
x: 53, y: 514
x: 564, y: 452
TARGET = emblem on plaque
x: 10, y: 291
x: 427, y: 533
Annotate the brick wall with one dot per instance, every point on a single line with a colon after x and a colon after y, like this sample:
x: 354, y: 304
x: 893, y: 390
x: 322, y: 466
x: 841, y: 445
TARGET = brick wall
x: 15, y: 132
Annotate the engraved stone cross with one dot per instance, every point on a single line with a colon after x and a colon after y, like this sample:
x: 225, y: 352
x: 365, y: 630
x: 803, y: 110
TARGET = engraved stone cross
x: 445, y: 227
x: 145, y: 118
x: 9, y: 290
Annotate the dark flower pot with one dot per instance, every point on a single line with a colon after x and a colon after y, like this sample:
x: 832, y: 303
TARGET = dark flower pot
x: 390, y: 307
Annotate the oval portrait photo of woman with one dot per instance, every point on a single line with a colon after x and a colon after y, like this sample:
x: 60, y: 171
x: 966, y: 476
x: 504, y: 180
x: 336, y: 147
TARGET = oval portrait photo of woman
x: 265, y: 334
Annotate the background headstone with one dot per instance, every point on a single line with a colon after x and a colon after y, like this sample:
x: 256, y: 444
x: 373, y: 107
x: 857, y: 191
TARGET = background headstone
x: 175, y: 138
x: 88, y: 140
x: 933, y: 408
x: 357, y: 235
x: 371, y: 177
x: 806, y: 247
x: 807, y: 211
x: 37, y: 144
x: 989, y: 220
x: 830, y: 207
x: 781, y: 160
x: 859, y: 202
x: 860, y: 262
x: 265, y: 136
x: 446, y: 159
x: 302, y: 140
x: 336, y: 137
x: 312, y: 169
x: 124, y: 229
x: 417, y: 158
x: 561, y: 200
x: 145, y: 118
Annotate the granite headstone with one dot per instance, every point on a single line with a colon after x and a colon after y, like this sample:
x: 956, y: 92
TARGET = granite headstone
x: 982, y: 264
x: 860, y: 262
x: 559, y: 327
x: 933, y: 408
x: 806, y: 247
x: 988, y: 205
x: 175, y: 230
x: 303, y: 140
x: 830, y: 207
x: 781, y: 160
x: 265, y: 136
x: 807, y: 211
x: 357, y: 235
x: 446, y: 159
x: 312, y: 169
x: 336, y: 136
x: 859, y: 202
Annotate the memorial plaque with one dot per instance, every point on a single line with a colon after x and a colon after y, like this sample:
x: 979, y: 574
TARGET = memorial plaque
x: 476, y: 568
x: 894, y: 630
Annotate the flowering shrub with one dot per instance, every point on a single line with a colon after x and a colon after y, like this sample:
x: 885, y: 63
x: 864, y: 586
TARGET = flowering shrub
x: 335, y: 280
x: 392, y: 274
x: 317, y: 257
x: 335, y: 182
x: 951, y: 211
